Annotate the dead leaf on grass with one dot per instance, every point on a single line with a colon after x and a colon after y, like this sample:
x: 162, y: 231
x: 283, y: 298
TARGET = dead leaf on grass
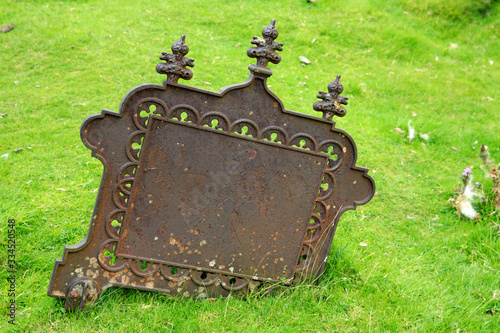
x: 304, y: 60
x: 399, y: 130
x: 7, y: 28
x: 424, y: 136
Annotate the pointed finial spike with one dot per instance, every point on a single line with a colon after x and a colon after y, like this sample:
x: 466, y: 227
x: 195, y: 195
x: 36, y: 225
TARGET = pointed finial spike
x: 335, y: 87
x: 176, y: 62
x: 330, y: 106
x: 265, y: 49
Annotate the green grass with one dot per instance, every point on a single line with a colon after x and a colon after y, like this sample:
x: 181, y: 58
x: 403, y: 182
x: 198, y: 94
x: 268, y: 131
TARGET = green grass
x: 424, y: 269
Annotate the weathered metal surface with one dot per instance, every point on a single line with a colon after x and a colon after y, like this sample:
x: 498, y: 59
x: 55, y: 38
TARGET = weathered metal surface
x: 330, y: 106
x: 176, y: 62
x: 217, y: 201
x: 206, y: 194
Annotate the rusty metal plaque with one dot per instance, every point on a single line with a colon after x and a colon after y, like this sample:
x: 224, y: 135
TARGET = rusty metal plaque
x: 222, y: 206
x: 206, y: 194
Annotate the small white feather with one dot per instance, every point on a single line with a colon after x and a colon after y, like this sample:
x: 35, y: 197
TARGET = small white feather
x: 411, y: 131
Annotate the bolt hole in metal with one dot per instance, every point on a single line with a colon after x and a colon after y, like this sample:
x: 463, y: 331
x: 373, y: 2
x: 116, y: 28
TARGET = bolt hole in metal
x: 81, y: 292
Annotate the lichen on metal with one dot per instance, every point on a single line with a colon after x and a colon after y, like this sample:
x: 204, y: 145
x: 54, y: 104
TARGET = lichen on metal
x: 209, y: 194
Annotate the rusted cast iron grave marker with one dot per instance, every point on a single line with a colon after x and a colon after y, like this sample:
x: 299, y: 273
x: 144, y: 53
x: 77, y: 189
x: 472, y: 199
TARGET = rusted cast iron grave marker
x: 206, y: 194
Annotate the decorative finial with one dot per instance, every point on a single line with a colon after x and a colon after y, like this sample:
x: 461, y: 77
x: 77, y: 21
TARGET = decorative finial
x: 330, y: 106
x: 266, y: 47
x: 176, y: 63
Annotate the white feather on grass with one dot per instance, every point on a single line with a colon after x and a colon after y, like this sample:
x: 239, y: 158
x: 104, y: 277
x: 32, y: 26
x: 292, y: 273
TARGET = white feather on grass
x: 463, y: 203
x: 424, y: 136
x: 411, y: 131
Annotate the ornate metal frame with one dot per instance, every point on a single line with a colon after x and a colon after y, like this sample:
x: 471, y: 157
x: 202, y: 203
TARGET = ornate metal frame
x: 205, y: 194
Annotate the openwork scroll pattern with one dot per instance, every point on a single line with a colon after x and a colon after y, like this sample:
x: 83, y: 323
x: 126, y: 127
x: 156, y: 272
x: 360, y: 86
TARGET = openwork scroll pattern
x: 320, y: 218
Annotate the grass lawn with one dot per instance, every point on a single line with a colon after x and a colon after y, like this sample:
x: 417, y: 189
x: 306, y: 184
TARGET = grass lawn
x: 434, y: 62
